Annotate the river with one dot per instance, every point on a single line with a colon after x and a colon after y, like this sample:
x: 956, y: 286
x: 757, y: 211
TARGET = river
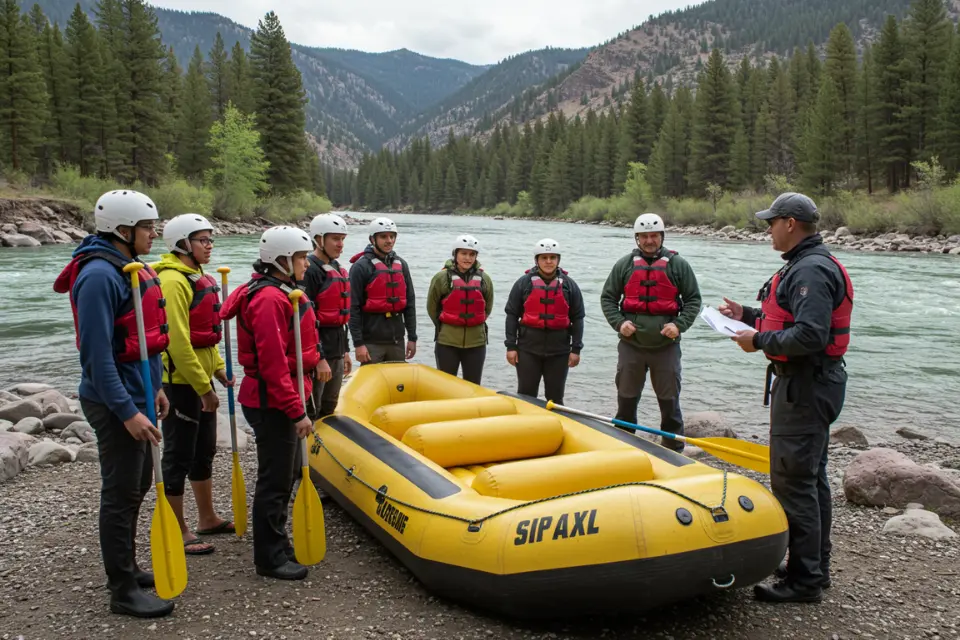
x: 904, y: 360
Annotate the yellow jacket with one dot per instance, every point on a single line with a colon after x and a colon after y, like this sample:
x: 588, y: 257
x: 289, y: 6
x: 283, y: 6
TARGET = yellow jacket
x: 191, y: 366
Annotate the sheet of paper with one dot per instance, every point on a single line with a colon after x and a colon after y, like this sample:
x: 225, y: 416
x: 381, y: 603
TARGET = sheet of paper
x: 721, y: 323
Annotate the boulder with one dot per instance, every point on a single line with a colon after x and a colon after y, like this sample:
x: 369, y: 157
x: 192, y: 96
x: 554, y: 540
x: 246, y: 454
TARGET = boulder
x: 910, y: 434
x: 14, y: 456
x: 918, y: 522
x: 223, y: 433
x: 8, y: 228
x: 60, y: 237
x: 18, y: 240
x: 6, y: 425
x: 51, y: 398
x: 728, y: 229
x: 955, y: 251
x: 48, y: 452
x: 30, y: 426
x: 37, y: 231
x: 884, y: 477
x: 88, y: 453
x: 17, y: 411
x: 6, y: 396
x: 849, y: 436
x: 25, y: 389
x: 843, y: 232
x: 74, y: 233
x: 81, y: 430
x: 706, y: 424
x: 60, y: 421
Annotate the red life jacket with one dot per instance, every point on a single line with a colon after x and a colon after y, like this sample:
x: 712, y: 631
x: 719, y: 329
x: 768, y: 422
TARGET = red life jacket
x: 546, y: 307
x: 387, y: 290
x: 649, y: 290
x: 205, y: 327
x: 333, y: 302
x: 464, y: 306
x: 773, y: 317
x: 126, y: 343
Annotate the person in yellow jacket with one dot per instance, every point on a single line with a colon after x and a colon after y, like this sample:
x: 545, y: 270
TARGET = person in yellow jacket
x: 189, y: 365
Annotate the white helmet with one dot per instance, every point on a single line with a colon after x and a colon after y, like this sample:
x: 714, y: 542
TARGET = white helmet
x: 181, y: 228
x: 546, y: 245
x: 466, y: 242
x: 122, y: 208
x: 327, y: 223
x: 648, y: 223
x: 382, y: 225
x: 283, y: 241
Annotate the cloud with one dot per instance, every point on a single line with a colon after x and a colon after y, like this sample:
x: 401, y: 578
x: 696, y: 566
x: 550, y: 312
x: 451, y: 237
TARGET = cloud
x: 475, y: 31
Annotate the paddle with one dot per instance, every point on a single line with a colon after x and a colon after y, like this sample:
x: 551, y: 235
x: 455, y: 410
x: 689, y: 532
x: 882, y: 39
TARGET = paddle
x: 750, y: 455
x: 238, y: 487
x: 309, y: 534
x: 166, y: 543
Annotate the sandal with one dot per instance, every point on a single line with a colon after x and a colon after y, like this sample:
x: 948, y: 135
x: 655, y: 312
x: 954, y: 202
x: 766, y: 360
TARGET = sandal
x: 197, y: 547
x: 225, y: 526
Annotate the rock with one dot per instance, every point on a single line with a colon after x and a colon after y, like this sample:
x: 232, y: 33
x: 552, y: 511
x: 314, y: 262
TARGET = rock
x: 849, y: 436
x: 223, y: 433
x: 73, y: 440
x: 17, y: 411
x: 60, y: 237
x: 955, y: 239
x: 25, y: 389
x: 910, y: 434
x: 890, y: 511
x: 945, y: 442
x: 706, y: 424
x: 49, y: 398
x: 884, y: 477
x: 47, y: 452
x: 6, y: 425
x: 728, y: 229
x: 60, y: 420
x: 14, y: 456
x: 6, y: 396
x: 86, y: 453
x: 37, y: 231
x: 842, y: 232
x: 30, y: 426
x: 74, y: 233
x: 917, y: 522
x: 18, y: 240
x: 8, y: 228
x: 81, y: 430
x: 955, y: 251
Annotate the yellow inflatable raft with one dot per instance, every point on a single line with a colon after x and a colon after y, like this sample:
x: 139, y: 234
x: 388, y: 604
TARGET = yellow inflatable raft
x: 496, y: 502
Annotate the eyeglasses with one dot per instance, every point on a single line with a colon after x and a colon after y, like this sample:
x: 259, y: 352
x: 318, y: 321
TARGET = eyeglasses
x: 146, y: 226
x: 207, y: 242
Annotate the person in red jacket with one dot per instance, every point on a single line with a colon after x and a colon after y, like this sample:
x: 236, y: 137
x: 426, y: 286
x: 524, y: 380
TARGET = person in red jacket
x: 269, y: 394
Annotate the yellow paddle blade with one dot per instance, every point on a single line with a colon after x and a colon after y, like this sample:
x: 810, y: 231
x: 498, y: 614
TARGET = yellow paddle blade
x: 239, y: 493
x: 749, y: 455
x: 309, y: 533
x: 166, y: 547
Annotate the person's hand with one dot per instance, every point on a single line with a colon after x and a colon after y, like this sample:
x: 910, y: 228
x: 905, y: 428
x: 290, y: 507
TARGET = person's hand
x: 513, y: 357
x: 209, y: 402
x: 411, y: 349
x: 162, y: 405
x: 363, y: 355
x: 744, y: 338
x: 627, y: 329
x: 323, y: 371
x: 573, y: 360
x: 347, y: 364
x: 670, y: 331
x: 731, y: 309
x: 303, y: 427
x: 221, y: 376
x: 140, y: 428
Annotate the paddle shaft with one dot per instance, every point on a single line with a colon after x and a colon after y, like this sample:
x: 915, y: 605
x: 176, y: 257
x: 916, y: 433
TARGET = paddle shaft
x: 295, y: 299
x: 228, y: 351
x: 145, y: 372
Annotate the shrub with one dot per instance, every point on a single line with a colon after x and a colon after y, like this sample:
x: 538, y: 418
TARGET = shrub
x: 292, y: 206
x: 179, y: 196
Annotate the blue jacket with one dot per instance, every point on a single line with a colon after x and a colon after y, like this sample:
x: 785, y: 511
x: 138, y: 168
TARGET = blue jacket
x: 100, y: 291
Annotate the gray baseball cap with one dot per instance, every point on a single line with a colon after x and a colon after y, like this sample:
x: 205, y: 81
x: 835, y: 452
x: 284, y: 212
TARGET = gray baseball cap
x: 791, y: 205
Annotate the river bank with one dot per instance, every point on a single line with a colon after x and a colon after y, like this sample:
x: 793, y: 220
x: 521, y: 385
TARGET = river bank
x: 889, y: 581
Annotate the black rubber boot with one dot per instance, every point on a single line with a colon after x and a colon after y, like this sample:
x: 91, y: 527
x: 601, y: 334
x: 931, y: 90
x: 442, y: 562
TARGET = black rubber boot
x: 144, y: 578
x: 784, y: 591
x: 781, y: 573
x: 138, y: 603
x: 286, y: 571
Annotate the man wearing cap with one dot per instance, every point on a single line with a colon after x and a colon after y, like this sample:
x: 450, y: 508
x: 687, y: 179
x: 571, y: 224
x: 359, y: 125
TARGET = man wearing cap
x: 650, y: 297
x: 803, y: 328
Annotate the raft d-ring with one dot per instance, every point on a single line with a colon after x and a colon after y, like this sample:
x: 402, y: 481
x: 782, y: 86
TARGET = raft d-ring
x: 724, y: 586
x: 350, y: 472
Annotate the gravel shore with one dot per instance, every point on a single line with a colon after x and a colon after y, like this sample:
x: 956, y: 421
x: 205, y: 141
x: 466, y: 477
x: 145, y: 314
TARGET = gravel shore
x: 52, y: 582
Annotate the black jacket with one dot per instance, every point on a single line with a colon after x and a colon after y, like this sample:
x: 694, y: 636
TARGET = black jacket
x: 544, y: 342
x: 811, y: 287
x: 334, y: 341
x: 377, y: 328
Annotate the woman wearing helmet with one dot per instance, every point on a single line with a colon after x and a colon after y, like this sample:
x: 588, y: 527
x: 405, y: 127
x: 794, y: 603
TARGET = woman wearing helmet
x: 269, y: 393
x: 111, y: 387
x: 544, y: 329
x: 459, y: 302
x: 190, y: 363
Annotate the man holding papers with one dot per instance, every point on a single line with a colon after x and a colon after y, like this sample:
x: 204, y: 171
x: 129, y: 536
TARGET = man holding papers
x: 803, y: 328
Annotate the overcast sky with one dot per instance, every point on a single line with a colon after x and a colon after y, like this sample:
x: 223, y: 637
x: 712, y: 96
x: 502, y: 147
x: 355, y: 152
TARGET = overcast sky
x: 475, y: 31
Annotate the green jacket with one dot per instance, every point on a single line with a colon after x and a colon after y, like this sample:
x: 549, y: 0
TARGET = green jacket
x: 648, y: 335
x: 449, y: 335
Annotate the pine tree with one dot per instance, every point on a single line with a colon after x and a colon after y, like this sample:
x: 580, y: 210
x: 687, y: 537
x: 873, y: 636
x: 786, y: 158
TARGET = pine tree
x: 714, y: 125
x: 819, y: 146
x: 557, y: 183
x: 451, y: 188
x: 172, y: 98
x: 53, y: 61
x: 866, y: 118
x: 636, y: 135
x: 196, y: 118
x: 23, y: 94
x: 761, y: 158
x: 948, y: 130
x: 115, y: 105
x: 780, y: 138
x: 926, y: 38
x: 83, y: 93
x: 239, y: 84
x: 279, y: 100
x: 841, y: 68
x: 891, y: 85
x: 38, y: 21
x: 739, y: 160
x: 218, y: 72
x: 669, y: 165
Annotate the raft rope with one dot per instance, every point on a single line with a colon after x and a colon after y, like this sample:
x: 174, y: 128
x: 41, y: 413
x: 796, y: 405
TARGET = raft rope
x: 718, y: 512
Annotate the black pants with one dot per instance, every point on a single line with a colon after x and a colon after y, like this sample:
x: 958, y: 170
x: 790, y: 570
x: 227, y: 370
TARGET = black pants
x: 553, y: 369
x: 802, y: 409
x: 277, y: 442
x: 323, y: 401
x: 664, y: 367
x: 125, y: 469
x: 386, y: 353
x: 189, y: 439
x: 450, y: 359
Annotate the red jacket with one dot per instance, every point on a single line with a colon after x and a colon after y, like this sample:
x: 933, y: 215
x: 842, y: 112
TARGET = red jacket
x: 265, y: 345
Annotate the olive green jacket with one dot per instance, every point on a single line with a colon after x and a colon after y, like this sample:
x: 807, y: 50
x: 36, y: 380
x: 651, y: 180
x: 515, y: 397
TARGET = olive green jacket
x: 440, y: 287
